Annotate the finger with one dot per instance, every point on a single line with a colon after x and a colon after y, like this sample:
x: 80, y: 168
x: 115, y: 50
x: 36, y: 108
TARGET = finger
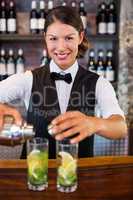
x: 79, y: 138
x: 64, y: 126
x: 16, y: 115
x: 65, y: 116
x: 18, y: 119
x: 1, y: 123
x: 68, y: 133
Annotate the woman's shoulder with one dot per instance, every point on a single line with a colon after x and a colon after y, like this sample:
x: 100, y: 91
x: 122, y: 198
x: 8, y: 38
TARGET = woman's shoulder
x: 88, y: 73
x: 40, y: 70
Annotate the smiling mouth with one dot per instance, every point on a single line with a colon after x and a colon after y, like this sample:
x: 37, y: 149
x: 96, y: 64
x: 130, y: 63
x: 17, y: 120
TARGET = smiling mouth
x: 62, y: 56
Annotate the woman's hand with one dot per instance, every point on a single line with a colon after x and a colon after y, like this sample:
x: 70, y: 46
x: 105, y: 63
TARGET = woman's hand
x: 72, y: 122
x: 8, y: 110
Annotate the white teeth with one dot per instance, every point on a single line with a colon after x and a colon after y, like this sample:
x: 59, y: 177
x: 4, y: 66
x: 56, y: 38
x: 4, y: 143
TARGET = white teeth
x: 63, y: 56
x: 59, y: 54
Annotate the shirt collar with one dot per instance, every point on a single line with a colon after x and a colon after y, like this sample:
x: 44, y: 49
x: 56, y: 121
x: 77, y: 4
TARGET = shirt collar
x: 72, y: 69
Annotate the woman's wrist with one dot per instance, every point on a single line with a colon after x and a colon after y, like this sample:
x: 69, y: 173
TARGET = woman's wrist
x: 96, y: 124
x: 100, y: 124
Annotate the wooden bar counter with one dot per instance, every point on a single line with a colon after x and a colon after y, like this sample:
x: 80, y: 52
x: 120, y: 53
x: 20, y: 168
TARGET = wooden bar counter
x: 99, y: 178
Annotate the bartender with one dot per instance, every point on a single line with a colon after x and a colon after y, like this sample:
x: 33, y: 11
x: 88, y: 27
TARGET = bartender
x: 61, y: 97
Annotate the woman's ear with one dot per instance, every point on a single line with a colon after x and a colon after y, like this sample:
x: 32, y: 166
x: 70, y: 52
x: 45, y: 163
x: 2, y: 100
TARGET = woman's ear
x: 81, y: 36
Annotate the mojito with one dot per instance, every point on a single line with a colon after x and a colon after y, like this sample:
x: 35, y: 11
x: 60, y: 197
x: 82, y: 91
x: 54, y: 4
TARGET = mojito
x: 37, y: 161
x: 66, y: 172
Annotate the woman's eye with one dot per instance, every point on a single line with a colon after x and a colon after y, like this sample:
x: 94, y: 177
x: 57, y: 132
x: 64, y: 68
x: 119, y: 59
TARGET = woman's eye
x: 53, y: 38
x: 69, y: 38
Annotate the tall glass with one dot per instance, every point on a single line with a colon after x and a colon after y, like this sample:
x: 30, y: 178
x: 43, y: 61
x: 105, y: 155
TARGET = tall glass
x: 37, y: 161
x: 67, y: 155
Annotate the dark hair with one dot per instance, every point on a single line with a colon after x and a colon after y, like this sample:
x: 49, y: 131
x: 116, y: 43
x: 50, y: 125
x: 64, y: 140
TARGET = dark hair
x: 70, y: 16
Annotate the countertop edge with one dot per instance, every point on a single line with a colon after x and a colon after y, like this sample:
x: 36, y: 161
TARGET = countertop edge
x: 82, y: 162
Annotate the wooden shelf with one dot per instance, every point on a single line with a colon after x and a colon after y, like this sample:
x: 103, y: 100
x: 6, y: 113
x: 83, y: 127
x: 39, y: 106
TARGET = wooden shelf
x: 37, y: 37
x: 17, y: 37
x: 102, y: 37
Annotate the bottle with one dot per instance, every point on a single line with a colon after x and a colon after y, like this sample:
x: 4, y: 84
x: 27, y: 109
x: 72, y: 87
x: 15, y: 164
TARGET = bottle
x: 33, y: 18
x: 63, y: 3
x: 10, y: 63
x: 42, y: 17
x: 91, y: 61
x: 3, y: 28
x: 44, y: 59
x: 102, y: 19
x: 11, y: 20
x: 2, y: 65
x: 50, y: 5
x: 111, y: 19
x: 20, y: 62
x: 100, y: 63
x: 73, y: 4
x: 82, y: 13
x: 109, y: 73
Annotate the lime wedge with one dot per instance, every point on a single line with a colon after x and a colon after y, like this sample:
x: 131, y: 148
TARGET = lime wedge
x: 68, y: 165
x: 66, y: 158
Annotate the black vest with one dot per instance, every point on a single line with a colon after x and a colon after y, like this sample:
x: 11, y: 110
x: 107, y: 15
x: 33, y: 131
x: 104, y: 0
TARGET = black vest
x: 44, y: 105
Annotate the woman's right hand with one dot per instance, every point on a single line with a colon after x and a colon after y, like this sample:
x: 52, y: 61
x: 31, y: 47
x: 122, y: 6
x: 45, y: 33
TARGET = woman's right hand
x: 8, y: 110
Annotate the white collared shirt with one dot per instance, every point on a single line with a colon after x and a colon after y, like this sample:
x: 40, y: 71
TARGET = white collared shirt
x: 63, y: 88
x: 19, y: 86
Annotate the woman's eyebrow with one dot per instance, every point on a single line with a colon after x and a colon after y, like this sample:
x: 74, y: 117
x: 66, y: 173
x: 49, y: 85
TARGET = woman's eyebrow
x: 53, y: 35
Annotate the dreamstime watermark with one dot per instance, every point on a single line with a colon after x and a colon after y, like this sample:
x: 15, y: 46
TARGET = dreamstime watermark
x: 46, y: 114
x: 46, y: 103
x: 48, y: 98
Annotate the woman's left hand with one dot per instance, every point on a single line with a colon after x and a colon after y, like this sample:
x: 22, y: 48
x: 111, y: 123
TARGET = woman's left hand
x: 72, y: 122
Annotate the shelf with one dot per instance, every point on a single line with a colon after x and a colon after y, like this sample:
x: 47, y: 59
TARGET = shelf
x: 16, y: 37
x: 102, y: 37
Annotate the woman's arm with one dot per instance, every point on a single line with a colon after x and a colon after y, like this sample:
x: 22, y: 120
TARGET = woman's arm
x: 17, y: 86
x: 72, y: 122
x: 111, y: 125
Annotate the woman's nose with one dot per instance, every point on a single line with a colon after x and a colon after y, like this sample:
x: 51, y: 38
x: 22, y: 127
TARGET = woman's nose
x: 61, y: 45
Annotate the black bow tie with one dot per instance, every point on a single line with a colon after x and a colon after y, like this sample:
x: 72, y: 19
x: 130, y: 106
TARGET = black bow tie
x: 57, y: 76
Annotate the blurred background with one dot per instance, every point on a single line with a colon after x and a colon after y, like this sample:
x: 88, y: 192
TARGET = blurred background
x: 108, y: 26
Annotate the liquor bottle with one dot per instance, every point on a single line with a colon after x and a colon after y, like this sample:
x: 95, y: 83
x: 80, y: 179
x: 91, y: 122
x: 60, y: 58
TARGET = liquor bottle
x: 73, y: 4
x: 100, y: 63
x: 91, y: 61
x: 3, y: 28
x: 44, y: 59
x: 63, y: 3
x: 109, y: 72
x: 11, y: 20
x: 42, y: 17
x: 102, y: 19
x: 2, y: 64
x: 20, y: 62
x: 50, y: 5
x: 10, y: 63
x: 82, y: 13
x: 111, y: 19
x: 33, y: 18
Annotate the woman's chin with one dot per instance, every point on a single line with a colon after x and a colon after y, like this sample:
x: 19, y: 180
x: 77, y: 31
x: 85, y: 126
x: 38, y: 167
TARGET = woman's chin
x: 63, y: 64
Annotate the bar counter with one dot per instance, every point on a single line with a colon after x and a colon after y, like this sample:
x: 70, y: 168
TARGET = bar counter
x: 99, y: 178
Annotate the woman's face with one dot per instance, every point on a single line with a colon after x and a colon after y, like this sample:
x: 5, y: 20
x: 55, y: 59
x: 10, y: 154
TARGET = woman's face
x: 62, y: 42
